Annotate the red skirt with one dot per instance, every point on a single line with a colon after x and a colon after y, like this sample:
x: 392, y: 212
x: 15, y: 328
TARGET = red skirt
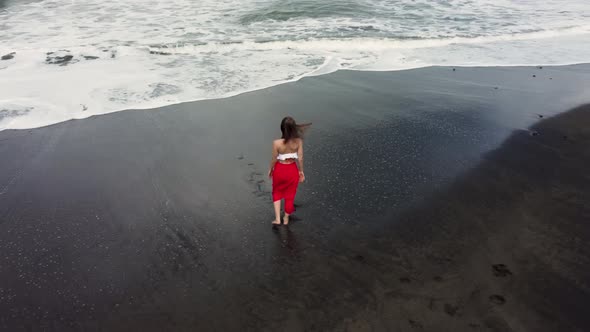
x: 285, y: 179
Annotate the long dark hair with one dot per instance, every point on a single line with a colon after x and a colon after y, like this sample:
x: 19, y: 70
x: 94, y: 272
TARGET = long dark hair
x: 291, y: 130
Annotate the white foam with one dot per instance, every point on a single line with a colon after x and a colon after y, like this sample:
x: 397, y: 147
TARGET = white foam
x: 211, y: 55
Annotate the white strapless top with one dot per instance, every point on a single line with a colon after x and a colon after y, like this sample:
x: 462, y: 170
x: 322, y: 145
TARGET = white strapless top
x: 285, y: 156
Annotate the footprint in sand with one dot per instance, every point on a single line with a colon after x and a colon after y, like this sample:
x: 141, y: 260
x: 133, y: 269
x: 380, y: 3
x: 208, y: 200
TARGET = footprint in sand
x: 432, y: 305
x: 451, y: 310
x: 497, y: 299
x: 256, y: 179
x: 500, y: 270
x: 415, y: 324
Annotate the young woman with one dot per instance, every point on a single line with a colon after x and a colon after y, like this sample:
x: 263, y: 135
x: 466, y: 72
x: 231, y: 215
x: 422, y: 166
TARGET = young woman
x: 284, y: 171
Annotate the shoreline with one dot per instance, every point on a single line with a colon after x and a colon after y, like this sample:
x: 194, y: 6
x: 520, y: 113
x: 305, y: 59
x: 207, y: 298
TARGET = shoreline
x: 157, y: 105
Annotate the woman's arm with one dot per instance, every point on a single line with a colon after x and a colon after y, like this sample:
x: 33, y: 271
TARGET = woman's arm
x: 273, y: 160
x: 300, y: 159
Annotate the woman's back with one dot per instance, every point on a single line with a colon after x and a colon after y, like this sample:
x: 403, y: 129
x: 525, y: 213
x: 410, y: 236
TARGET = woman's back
x: 292, y: 146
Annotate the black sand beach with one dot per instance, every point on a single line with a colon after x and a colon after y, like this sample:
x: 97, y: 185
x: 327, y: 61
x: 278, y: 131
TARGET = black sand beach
x: 436, y: 200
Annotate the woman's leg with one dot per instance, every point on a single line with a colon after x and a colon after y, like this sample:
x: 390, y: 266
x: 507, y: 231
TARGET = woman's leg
x: 290, y: 193
x: 277, y: 206
x: 289, y: 208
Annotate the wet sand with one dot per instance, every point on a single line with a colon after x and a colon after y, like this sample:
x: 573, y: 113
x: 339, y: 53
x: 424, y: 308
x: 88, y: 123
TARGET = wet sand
x: 437, y: 200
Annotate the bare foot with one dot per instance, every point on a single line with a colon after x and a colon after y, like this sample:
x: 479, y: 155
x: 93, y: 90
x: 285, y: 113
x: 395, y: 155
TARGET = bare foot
x: 276, y: 222
x: 286, y: 219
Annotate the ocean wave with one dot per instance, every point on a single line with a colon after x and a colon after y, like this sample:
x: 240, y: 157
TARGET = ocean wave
x: 287, y: 10
x: 367, y: 44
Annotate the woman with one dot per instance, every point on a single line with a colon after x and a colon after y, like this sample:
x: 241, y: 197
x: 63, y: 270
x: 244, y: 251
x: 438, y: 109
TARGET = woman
x: 284, y: 171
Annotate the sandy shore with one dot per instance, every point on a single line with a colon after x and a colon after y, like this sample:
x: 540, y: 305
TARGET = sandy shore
x: 437, y: 200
